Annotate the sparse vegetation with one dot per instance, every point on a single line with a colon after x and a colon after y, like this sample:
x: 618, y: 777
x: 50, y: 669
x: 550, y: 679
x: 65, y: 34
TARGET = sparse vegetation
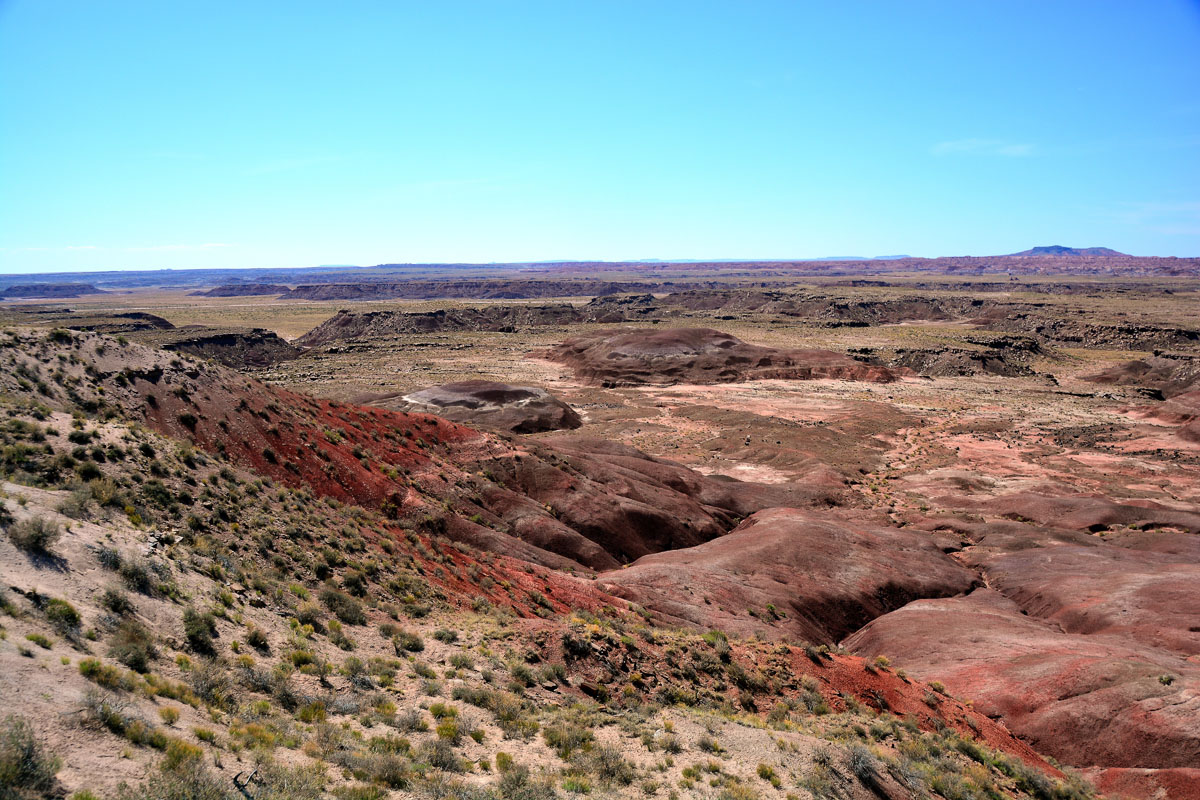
x: 26, y: 769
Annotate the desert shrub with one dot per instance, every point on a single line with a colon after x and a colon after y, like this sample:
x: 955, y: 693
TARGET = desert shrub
x: 337, y: 635
x: 410, y: 720
x: 446, y: 635
x: 566, y: 737
x: 62, y: 615
x: 516, y: 784
x: 311, y: 614
x: 209, y: 679
x: 190, y: 779
x: 137, y: 575
x: 607, y: 764
x: 76, y: 504
x: 344, y: 607
x: 359, y: 792
x: 40, y: 640
x: 439, y: 753
x: 35, y: 535
x: 116, y: 601
x: 257, y: 639
x: 133, y: 645
x: 105, y: 675
x: 26, y: 769
x: 199, y: 628
x: 865, y: 766
x: 408, y: 641
x: 450, y: 731
x: 355, y: 583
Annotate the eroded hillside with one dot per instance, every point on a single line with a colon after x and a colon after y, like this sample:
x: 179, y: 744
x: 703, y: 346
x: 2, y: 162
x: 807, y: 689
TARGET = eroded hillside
x: 214, y: 584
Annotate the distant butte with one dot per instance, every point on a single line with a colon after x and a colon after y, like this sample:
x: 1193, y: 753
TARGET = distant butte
x: 1059, y: 250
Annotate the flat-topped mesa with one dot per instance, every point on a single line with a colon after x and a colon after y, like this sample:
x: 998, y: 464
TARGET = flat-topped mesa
x: 488, y: 404
x: 639, y: 356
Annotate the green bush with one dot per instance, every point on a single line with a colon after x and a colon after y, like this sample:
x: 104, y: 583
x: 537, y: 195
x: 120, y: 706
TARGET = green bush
x: 40, y: 640
x: 62, y: 615
x: 344, y: 607
x: 199, y: 628
x: 407, y: 641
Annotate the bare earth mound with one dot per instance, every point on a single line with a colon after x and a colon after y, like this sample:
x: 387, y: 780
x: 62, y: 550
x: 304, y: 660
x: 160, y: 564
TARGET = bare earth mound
x: 1087, y: 700
x: 520, y: 409
x: 804, y: 574
x: 699, y: 355
x: 1171, y: 374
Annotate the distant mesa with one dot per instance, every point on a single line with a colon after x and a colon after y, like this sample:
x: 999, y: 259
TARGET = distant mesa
x: 49, y: 290
x: 350, y: 325
x: 500, y: 406
x: 1059, y: 250
x: 641, y: 356
x: 243, y: 290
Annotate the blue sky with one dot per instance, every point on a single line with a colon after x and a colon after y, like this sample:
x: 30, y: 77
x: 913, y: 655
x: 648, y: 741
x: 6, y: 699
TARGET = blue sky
x: 223, y: 134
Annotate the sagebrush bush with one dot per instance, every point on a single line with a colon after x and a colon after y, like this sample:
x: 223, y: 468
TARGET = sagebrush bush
x: 199, y: 628
x: 133, y: 645
x: 407, y: 641
x: 344, y: 607
x: 35, y: 535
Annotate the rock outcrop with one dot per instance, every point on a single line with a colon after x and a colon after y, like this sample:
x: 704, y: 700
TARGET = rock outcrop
x: 501, y: 406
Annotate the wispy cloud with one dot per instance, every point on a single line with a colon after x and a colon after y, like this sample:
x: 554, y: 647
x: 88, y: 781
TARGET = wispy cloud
x: 983, y: 147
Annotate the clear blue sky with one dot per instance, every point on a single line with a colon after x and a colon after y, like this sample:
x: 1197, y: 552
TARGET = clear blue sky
x: 203, y: 134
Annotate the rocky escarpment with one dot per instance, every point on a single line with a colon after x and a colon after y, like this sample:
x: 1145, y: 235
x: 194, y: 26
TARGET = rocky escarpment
x: 479, y: 289
x: 243, y: 290
x: 1002, y: 355
x: 238, y: 347
x: 349, y: 325
x: 48, y: 290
